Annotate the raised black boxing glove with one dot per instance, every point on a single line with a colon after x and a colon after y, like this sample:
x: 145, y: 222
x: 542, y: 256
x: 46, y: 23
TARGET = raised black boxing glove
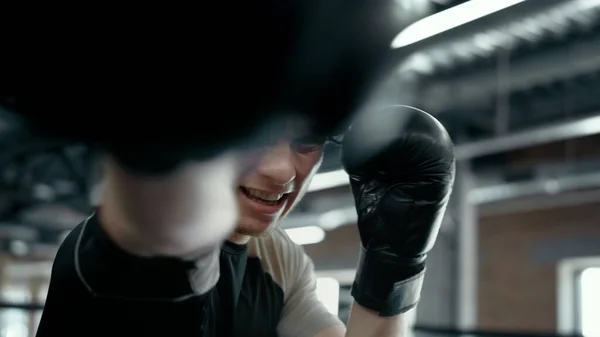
x: 401, y: 166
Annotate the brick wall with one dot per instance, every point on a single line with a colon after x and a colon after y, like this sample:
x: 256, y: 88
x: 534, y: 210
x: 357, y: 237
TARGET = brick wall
x: 518, y: 259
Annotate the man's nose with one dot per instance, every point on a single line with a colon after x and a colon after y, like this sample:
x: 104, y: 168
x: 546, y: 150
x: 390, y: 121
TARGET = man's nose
x: 277, y: 164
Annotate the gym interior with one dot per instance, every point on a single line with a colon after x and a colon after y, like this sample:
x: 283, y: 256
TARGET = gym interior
x: 518, y: 253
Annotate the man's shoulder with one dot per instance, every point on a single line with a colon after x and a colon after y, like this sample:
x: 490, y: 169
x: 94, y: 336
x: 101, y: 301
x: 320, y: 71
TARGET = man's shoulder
x: 64, y: 261
x: 276, y: 235
x: 275, y: 242
x: 280, y: 257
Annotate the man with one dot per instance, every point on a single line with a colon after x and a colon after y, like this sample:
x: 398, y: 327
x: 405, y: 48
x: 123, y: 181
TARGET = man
x: 151, y: 262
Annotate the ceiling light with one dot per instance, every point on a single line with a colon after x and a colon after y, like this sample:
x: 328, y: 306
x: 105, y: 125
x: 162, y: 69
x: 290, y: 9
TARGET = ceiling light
x: 448, y: 19
x: 306, y: 235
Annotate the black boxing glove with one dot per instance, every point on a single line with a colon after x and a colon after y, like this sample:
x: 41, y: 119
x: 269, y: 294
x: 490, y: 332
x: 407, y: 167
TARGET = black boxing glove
x: 401, y: 166
x: 136, y: 100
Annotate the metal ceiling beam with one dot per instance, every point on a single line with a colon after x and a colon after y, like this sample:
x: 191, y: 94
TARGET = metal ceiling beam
x: 561, y: 64
x: 511, y: 191
x: 491, y: 21
x: 15, y: 231
x: 477, y: 196
x: 547, y: 134
x: 541, y: 20
x: 540, y: 202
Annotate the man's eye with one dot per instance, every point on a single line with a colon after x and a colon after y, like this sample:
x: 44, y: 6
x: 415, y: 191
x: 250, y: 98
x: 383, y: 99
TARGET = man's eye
x: 308, y: 144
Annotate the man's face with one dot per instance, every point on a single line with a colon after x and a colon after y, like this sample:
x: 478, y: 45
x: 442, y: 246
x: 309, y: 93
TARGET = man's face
x: 277, y: 183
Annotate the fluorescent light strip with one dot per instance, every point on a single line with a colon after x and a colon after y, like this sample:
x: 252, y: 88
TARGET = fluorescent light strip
x: 448, y: 19
x: 306, y: 235
x: 327, y: 180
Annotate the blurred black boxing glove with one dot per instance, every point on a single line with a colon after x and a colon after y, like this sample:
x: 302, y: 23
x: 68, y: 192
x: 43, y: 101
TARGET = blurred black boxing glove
x: 401, y: 166
x: 146, y: 94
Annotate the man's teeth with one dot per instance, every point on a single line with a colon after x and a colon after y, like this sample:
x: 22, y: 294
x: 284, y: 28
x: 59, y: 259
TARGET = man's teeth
x: 263, y: 195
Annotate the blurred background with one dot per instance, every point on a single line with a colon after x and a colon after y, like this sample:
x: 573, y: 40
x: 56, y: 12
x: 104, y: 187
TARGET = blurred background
x: 519, y: 250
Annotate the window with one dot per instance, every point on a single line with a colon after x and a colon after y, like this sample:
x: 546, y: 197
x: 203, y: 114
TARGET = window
x: 15, y: 322
x: 579, y: 296
x: 589, y: 301
x: 328, y: 292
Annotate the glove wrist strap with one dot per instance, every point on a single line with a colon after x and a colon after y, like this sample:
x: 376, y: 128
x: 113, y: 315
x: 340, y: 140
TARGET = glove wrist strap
x: 381, y: 284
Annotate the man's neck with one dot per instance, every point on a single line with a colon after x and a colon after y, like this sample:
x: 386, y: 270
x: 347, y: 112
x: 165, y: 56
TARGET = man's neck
x: 240, y: 239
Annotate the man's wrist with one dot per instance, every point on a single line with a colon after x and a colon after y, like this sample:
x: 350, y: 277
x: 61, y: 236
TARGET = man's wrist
x: 386, y: 286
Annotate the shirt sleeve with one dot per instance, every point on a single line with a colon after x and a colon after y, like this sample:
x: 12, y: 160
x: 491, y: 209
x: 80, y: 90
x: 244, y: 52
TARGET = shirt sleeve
x: 303, y: 314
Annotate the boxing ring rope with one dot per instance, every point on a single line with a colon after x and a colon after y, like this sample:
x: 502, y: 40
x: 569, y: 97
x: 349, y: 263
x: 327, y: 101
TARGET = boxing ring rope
x: 428, y: 330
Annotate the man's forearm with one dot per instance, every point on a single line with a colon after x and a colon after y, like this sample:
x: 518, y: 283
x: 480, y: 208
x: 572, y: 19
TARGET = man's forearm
x: 180, y: 214
x: 367, y: 323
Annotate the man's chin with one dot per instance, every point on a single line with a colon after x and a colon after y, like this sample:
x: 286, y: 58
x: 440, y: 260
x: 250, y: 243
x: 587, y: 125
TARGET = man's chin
x: 255, y: 232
